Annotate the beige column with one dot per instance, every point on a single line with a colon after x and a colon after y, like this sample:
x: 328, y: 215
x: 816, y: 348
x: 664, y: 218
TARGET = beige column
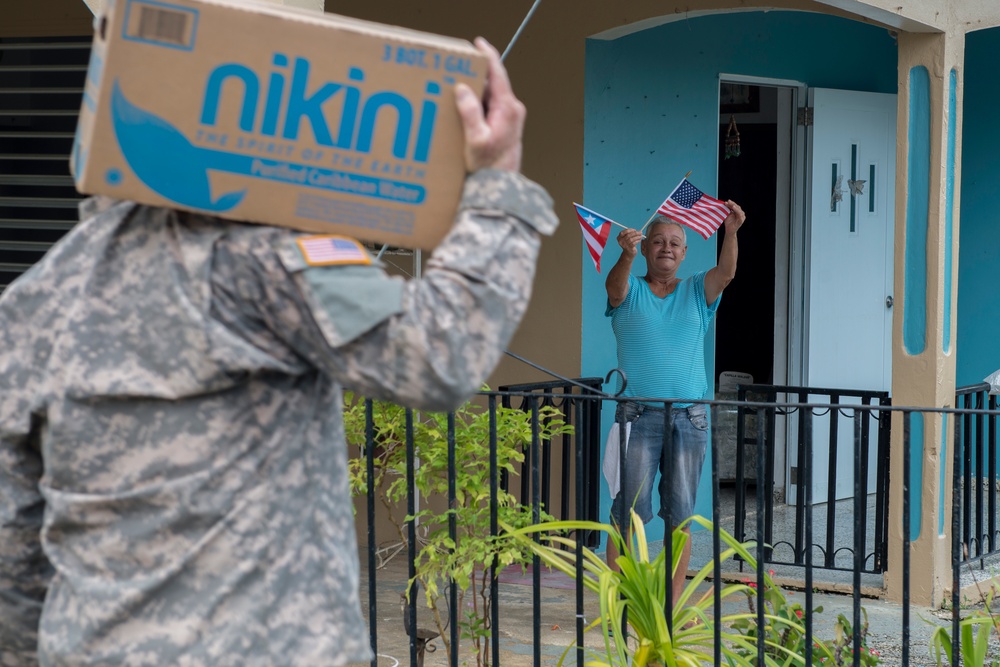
x: 928, y: 158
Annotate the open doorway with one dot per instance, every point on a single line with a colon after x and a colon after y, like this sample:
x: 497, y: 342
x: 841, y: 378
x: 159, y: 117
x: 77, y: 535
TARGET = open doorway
x: 751, y: 338
x: 744, y: 335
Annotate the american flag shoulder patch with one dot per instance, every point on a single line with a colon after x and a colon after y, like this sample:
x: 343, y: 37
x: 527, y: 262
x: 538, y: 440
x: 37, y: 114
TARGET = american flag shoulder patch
x: 327, y: 250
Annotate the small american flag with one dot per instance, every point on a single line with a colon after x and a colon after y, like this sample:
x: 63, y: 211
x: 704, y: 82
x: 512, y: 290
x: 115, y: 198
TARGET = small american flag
x: 324, y: 250
x: 691, y: 207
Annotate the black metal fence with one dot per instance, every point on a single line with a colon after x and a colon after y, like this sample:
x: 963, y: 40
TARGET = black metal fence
x: 856, y: 466
x: 586, y: 419
x: 973, y: 520
x: 976, y: 449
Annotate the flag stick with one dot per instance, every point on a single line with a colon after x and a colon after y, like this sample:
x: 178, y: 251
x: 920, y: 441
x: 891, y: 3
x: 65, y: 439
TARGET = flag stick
x: 520, y: 28
x: 624, y: 227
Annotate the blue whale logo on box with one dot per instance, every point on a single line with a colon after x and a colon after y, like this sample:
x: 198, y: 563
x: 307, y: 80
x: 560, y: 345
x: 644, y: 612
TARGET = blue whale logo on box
x: 166, y: 161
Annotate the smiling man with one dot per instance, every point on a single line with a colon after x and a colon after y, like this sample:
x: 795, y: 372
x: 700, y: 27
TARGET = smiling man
x: 660, y: 321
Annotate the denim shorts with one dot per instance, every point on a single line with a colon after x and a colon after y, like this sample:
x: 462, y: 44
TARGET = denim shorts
x: 689, y: 442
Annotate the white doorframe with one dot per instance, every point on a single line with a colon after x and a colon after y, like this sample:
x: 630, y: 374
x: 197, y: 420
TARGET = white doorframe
x: 798, y: 242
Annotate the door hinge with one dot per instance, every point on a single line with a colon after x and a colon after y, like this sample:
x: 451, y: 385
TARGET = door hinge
x: 794, y: 475
x: 805, y: 116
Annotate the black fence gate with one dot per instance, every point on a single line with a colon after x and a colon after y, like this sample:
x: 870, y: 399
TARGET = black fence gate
x: 761, y: 424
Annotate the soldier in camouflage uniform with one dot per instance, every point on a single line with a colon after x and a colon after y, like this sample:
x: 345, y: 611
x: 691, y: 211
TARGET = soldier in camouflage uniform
x: 173, y: 484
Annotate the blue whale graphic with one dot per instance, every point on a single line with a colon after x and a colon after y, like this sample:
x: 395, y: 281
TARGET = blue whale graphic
x: 163, y: 158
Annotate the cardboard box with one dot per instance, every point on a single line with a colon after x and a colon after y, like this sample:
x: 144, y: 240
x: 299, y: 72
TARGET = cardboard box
x: 270, y: 114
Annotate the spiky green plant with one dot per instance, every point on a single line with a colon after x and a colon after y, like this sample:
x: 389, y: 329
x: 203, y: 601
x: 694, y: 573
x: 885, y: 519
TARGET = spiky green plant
x: 636, y: 593
x: 974, y: 638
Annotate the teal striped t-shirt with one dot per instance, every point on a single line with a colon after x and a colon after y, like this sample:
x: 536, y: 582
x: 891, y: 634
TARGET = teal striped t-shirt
x: 661, y: 342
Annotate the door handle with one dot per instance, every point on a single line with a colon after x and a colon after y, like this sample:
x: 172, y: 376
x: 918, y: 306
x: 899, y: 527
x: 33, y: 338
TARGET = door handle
x: 888, y: 301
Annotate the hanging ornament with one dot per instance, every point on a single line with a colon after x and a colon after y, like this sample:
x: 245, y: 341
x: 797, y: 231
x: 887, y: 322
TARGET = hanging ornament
x: 732, y: 139
x: 837, y: 194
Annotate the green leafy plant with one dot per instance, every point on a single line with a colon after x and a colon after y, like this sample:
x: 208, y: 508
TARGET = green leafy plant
x: 468, y: 558
x: 974, y: 638
x: 636, y: 595
x: 786, y: 630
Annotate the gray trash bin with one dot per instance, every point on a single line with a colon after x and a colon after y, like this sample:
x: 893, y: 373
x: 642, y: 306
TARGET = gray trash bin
x: 724, y: 422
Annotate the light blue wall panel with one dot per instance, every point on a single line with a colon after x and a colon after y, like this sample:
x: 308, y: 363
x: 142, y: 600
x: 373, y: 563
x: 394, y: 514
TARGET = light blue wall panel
x: 977, y: 352
x: 918, y: 160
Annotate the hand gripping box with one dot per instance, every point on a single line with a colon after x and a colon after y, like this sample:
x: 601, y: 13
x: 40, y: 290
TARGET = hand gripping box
x: 270, y: 114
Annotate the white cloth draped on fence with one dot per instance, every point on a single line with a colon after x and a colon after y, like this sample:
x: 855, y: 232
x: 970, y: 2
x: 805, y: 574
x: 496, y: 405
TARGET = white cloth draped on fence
x: 612, y: 457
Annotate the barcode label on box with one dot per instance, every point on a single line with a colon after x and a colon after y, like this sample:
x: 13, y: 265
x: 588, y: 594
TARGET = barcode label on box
x: 161, y: 23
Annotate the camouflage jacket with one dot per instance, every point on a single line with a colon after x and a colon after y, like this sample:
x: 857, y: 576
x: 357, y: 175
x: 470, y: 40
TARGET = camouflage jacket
x: 173, y: 484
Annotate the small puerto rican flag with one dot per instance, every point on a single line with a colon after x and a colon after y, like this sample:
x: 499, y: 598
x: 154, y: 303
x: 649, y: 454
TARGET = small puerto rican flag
x: 326, y: 250
x: 596, y: 229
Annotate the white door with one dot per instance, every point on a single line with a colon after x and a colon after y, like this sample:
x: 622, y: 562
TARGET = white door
x: 849, y: 266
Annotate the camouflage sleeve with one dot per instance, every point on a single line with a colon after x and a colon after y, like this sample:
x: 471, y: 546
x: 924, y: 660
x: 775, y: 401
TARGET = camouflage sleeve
x: 457, y: 320
x: 427, y: 343
x: 24, y: 569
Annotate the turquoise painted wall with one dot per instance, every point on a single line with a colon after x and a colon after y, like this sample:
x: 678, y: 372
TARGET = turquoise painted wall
x: 977, y: 352
x: 651, y: 115
x: 918, y: 161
